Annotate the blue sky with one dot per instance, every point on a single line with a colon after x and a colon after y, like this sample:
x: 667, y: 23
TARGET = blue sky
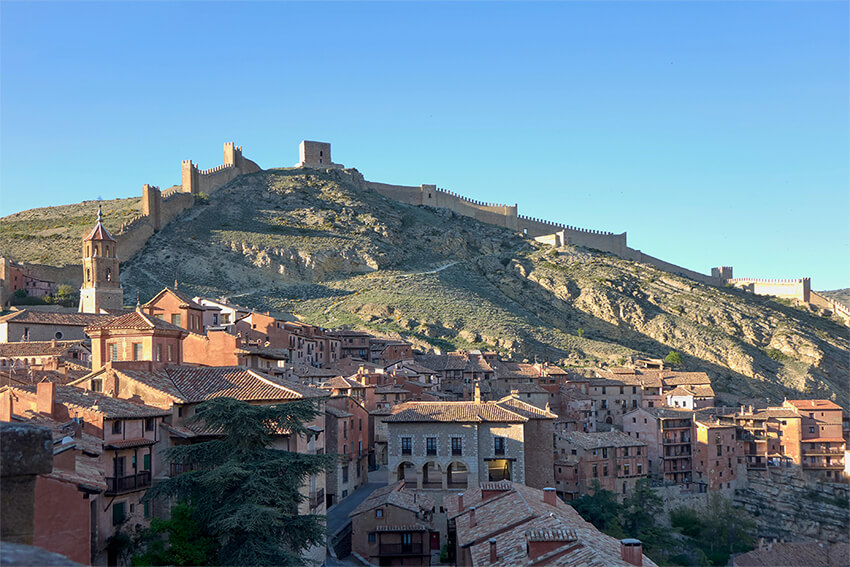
x: 713, y: 133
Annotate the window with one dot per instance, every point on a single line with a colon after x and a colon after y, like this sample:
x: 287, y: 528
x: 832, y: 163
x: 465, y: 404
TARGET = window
x: 345, y: 473
x: 113, y: 352
x: 371, y: 537
x: 638, y: 451
x: 499, y: 445
x: 116, y: 426
x: 170, y: 353
x: 625, y: 451
x: 457, y: 446
x: 345, y: 430
x: 146, y: 462
x: 96, y: 385
x: 159, y: 353
x: 147, y: 511
x: 379, y: 513
x: 175, y: 319
x: 180, y: 412
x: 811, y: 429
x: 720, y: 450
x: 595, y: 471
x: 58, y: 335
x: 604, y: 470
x: 604, y: 452
x: 137, y: 351
x: 149, y: 424
x: 118, y: 513
x: 431, y: 446
x: 360, y: 425
x: 640, y: 468
x: 634, y: 403
x: 406, y: 446
x: 626, y: 469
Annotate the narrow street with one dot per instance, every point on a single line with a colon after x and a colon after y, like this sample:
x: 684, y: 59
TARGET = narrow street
x: 338, y: 518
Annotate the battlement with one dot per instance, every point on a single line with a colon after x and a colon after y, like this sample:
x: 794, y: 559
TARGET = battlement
x: 797, y: 288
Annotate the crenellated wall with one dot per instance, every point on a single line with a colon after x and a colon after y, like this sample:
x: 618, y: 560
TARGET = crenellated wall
x: 790, y: 289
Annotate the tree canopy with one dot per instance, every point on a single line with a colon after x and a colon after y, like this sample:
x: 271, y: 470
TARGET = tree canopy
x: 242, y: 491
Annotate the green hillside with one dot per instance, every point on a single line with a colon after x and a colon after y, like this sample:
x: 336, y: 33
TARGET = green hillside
x: 320, y: 245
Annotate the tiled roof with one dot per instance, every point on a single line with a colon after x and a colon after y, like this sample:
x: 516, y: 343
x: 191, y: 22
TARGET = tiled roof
x: 137, y: 320
x: 528, y: 388
x: 465, y: 412
x: 673, y: 378
x: 99, y: 233
x: 506, y: 370
x: 680, y: 391
x: 601, y: 439
x: 186, y: 299
x: 307, y: 371
x: 264, y: 352
x: 802, y: 553
x: 703, y: 391
x: 418, y: 368
x: 129, y: 443
x: 525, y: 410
x: 393, y: 494
x: 52, y: 318
x: 670, y: 413
x: 523, y: 507
x: 37, y: 348
x: 198, y: 383
x: 110, y: 408
x: 83, y: 441
x: 804, y: 405
x: 442, y: 362
x: 342, y: 383
x: 391, y: 390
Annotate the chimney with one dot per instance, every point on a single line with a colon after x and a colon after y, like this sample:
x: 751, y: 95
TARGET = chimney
x: 632, y: 551
x: 477, y: 395
x: 460, y: 501
x: 494, y: 556
x: 549, y: 496
x: 6, y: 406
x: 472, y: 521
x: 45, y: 397
x: 54, y: 343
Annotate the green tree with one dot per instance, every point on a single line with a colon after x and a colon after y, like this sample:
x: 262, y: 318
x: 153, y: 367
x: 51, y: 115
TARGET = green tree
x: 641, y: 508
x: 580, y: 332
x: 599, y: 507
x: 245, y: 493
x: 674, y: 358
x: 67, y: 295
x: 20, y: 293
x: 187, y: 542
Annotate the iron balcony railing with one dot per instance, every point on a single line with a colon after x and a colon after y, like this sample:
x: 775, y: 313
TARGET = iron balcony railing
x: 128, y: 483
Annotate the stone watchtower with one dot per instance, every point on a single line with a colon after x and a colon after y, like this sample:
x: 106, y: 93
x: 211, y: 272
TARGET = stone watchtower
x: 315, y: 154
x: 101, y: 289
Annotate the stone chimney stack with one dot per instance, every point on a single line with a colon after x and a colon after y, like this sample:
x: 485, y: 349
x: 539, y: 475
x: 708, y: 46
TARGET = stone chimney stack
x: 460, y: 502
x: 550, y: 497
x: 632, y: 551
x: 45, y: 397
x: 494, y: 556
x: 472, y: 520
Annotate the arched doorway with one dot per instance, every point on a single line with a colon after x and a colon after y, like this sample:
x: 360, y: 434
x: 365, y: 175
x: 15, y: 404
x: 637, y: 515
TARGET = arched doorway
x: 406, y: 471
x: 457, y: 475
x: 432, y: 475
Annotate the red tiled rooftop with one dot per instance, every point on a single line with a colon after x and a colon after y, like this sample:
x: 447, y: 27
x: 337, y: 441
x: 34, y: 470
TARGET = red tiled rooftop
x: 465, y: 412
x: 804, y: 405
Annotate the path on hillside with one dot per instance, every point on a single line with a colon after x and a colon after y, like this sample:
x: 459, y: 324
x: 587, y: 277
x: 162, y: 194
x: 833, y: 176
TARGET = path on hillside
x: 440, y: 269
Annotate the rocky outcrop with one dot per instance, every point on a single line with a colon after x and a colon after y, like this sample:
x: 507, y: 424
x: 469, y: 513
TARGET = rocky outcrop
x: 788, y: 506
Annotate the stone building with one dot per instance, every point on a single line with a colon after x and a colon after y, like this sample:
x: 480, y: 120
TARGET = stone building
x: 669, y: 435
x: 394, y: 526
x: 101, y: 291
x: 612, y: 458
x: 31, y: 325
x: 129, y: 434
x: 716, y: 454
x: 347, y: 431
x: 506, y: 524
x: 451, y: 445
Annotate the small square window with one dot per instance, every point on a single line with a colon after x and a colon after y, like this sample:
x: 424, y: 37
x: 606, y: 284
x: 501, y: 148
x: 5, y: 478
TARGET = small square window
x: 379, y: 513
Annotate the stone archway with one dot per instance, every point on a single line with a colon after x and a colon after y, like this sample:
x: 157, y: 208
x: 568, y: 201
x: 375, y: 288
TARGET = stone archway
x: 406, y: 471
x: 457, y: 475
x: 432, y: 475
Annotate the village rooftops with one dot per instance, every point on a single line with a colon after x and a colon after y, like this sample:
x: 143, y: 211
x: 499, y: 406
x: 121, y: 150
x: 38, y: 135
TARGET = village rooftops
x: 612, y: 380
x: 463, y: 412
x: 336, y: 412
x: 524, y: 409
x: 189, y: 384
x: 186, y: 299
x: 33, y: 317
x: 813, y: 405
x: 699, y: 391
x: 136, y: 320
x: 109, y: 407
x: 394, y: 495
x: 342, y: 383
x: 38, y: 348
x: 525, y: 512
x: 589, y: 441
x: 797, y: 553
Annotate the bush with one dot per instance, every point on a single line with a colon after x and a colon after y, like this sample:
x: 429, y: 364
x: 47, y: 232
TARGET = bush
x: 674, y: 358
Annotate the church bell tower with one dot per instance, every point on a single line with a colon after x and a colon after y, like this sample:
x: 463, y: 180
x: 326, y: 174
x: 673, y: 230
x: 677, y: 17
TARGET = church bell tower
x: 101, y: 290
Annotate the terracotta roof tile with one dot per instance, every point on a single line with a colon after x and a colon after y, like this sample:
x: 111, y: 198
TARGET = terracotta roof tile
x: 38, y: 348
x: 111, y: 408
x: 524, y: 409
x: 803, y: 405
x: 393, y: 494
x: 137, y: 320
x: 601, y: 439
x: 99, y: 232
x: 53, y: 318
x: 467, y: 412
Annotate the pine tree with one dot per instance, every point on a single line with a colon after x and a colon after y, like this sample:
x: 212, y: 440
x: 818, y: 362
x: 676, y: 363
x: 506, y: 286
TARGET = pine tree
x: 243, y: 492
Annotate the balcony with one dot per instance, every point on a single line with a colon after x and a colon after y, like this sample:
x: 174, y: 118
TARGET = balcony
x: 400, y: 549
x: 824, y: 466
x: 824, y: 451
x: 129, y: 483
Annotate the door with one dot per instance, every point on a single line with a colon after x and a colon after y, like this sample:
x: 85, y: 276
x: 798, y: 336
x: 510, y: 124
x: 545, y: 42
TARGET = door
x: 435, y: 540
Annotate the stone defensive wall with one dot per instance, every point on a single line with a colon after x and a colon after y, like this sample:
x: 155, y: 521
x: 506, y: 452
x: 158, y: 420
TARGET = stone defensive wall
x: 790, y: 289
x: 638, y: 256
x: 160, y: 207
x: 826, y: 303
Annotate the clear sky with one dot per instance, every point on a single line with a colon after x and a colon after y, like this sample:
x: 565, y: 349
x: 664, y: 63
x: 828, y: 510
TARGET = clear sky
x: 713, y: 133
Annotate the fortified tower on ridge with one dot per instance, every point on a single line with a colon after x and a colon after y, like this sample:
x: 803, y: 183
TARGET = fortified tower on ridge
x: 101, y: 289
x: 315, y: 154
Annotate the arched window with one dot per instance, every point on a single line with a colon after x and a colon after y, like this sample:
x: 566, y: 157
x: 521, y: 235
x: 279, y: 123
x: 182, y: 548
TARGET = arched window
x: 108, y: 275
x: 88, y: 275
x: 107, y: 252
x: 95, y: 249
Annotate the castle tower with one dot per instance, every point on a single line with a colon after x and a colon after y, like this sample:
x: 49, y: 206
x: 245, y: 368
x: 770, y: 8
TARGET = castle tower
x: 317, y: 155
x: 101, y: 289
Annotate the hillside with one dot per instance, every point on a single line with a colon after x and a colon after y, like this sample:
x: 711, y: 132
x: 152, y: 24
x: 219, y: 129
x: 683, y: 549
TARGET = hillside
x: 51, y: 235
x: 839, y: 295
x: 321, y: 245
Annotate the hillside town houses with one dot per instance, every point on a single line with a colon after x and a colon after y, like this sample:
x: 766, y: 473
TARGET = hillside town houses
x: 480, y: 452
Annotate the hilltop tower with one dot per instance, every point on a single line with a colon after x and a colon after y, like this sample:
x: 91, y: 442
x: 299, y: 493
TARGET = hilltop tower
x: 101, y: 289
x: 316, y: 154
